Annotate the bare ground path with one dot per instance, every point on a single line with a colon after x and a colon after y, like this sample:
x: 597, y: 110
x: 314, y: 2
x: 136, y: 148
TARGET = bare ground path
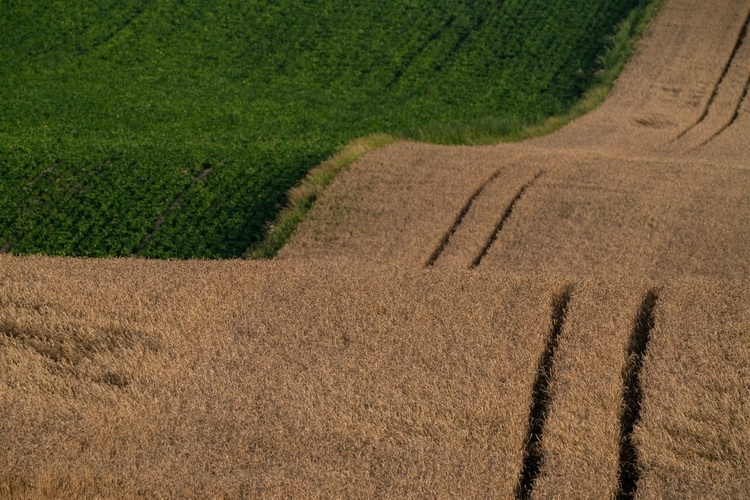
x: 565, y: 317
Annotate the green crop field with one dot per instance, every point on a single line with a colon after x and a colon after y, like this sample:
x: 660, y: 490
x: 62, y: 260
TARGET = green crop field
x: 174, y: 129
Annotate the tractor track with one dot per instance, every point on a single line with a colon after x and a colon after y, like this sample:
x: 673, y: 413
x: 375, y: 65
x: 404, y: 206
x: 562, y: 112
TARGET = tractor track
x: 500, y: 223
x: 541, y: 397
x: 741, y: 39
x: 459, y: 218
x: 633, y: 395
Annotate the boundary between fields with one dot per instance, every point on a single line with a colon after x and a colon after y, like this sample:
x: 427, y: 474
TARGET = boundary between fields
x: 301, y: 197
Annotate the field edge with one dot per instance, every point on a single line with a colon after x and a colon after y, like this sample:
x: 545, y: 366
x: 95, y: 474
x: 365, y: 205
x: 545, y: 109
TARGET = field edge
x: 301, y: 198
x: 303, y: 195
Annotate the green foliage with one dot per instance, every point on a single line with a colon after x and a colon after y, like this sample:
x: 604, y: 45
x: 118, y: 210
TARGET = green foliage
x: 174, y: 129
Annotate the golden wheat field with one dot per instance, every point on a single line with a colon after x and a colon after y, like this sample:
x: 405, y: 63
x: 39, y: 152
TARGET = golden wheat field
x: 130, y: 377
x: 563, y: 317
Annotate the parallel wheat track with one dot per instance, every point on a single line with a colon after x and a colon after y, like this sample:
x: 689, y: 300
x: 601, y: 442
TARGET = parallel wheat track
x: 735, y: 115
x: 633, y: 395
x: 741, y: 39
x: 459, y: 218
x: 499, y: 226
x: 541, y: 399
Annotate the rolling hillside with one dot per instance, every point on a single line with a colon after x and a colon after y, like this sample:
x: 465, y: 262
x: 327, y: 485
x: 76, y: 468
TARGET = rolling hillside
x: 563, y: 317
x: 165, y: 129
x: 653, y: 183
x: 274, y: 379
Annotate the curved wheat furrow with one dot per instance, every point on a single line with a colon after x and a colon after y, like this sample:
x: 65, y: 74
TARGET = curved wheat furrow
x: 727, y: 95
x: 597, y: 348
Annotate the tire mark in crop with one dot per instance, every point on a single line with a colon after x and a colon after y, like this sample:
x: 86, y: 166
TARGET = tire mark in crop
x: 735, y: 115
x: 14, y: 190
x: 65, y: 194
x: 541, y: 399
x: 171, y: 208
x: 499, y: 226
x: 22, y: 191
x: 740, y: 40
x: 461, y: 215
x: 138, y: 12
x: 436, y: 35
x: 463, y: 37
x: 413, y: 56
x: 83, y: 183
x: 633, y: 395
x: 38, y: 176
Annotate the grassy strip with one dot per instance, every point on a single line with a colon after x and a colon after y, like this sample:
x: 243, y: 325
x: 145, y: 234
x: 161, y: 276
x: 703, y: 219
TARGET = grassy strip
x: 302, y: 196
x: 487, y: 131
